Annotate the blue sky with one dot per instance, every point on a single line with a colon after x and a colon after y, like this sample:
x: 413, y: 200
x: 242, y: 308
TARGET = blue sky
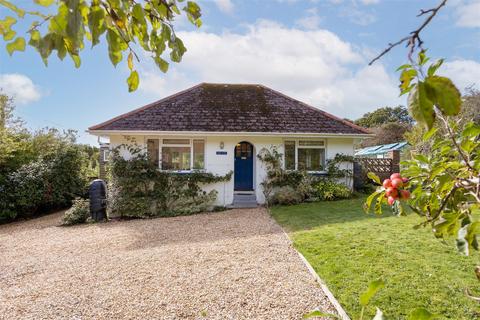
x: 316, y: 51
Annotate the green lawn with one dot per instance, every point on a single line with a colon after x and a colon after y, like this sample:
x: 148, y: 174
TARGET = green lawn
x: 349, y: 248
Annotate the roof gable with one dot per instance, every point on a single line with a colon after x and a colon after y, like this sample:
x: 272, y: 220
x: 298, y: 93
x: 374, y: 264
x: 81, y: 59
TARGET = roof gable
x: 211, y: 107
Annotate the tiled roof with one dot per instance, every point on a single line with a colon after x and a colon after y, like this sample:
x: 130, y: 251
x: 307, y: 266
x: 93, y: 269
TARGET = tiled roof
x: 230, y: 108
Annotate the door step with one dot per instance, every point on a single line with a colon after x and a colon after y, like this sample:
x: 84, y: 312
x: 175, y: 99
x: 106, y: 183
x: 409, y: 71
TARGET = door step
x: 244, y: 200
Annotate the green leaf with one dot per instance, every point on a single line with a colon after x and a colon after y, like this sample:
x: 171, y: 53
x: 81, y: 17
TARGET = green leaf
x: 318, y: 313
x: 368, y: 203
x: 14, y: 8
x: 406, y: 78
x: 420, y: 106
x: 443, y: 93
x: 17, y: 45
x: 429, y: 134
x: 162, y: 64
x: 434, y: 67
x: 374, y: 177
x: 44, y: 3
x: 96, y: 23
x: 6, y: 28
x: 130, y: 61
x: 421, y: 314
x: 133, y: 81
x: 373, y: 288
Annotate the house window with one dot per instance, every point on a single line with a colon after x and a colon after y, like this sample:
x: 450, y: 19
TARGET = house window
x: 306, y: 155
x: 177, y: 154
x: 153, y: 150
x: 290, y: 155
x: 105, y: 155
x: 198, y: 154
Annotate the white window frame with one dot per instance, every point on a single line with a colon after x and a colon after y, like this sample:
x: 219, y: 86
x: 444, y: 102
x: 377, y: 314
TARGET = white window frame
x: 190, y: 144
x: 105, y: 154
x: 297, y: 146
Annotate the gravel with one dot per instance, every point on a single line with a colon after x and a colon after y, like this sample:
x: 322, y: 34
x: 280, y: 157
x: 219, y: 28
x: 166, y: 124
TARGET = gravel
x: 236, y: 264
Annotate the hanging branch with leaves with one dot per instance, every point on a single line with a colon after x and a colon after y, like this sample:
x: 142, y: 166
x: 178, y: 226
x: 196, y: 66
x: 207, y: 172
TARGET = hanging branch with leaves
x: 129, y: 25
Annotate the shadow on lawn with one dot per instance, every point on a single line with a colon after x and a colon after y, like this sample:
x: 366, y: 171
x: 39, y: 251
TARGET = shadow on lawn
x: 308, y: 216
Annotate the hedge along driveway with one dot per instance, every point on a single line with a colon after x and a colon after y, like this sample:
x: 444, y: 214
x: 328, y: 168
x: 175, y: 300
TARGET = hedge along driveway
x: 236, y: 264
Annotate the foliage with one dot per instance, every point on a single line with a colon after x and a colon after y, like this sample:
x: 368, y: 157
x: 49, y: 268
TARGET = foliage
x: 328, y: 190
x: 137, y: 188
x: 290, y: 187
x: 391, y: 132
x: 384, y: 115
x: 39, y: 170
x: 126, y: 25
x: 78, y: 213
x: 349, y: 248
x: 470, y: 111
x: 298, y: 182
x: 446, y: 181
x: 285, y: 195
x: 52, y: 181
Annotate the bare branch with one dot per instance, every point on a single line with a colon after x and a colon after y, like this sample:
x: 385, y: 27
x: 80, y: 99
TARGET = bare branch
x: 413, y: 40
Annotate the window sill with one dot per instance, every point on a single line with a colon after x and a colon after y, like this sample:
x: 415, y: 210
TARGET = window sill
x: 184, y: 171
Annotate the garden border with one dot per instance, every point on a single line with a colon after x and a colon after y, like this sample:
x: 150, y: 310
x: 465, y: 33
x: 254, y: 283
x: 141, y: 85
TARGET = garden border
x: 338, y: 307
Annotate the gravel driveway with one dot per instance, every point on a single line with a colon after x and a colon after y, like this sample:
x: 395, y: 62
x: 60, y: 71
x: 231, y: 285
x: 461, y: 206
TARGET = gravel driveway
x: 236, y: 264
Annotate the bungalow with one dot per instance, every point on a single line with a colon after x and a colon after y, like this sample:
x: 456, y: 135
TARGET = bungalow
x: 220, y: 128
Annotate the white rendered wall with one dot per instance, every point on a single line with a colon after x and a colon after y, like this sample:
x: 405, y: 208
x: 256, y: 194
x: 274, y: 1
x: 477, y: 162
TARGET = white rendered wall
x: 221, y: 164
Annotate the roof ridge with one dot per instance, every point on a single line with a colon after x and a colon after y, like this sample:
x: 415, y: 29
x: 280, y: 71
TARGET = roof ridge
x: 123, y: 115
x: 329, y: 115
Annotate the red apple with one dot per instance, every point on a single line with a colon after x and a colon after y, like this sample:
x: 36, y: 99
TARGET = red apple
x: 392, y: 192
x: 395, y: 176
x: 405, y: 180
x: 397, y: 183
x: 405, y: 194
x: 387, y: 183
x: 391, y: 200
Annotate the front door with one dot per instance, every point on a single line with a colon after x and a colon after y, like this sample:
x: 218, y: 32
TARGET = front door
x: 243, y: 177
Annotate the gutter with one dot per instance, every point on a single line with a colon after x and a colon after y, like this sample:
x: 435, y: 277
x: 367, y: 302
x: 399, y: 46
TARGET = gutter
x: 222, y: 133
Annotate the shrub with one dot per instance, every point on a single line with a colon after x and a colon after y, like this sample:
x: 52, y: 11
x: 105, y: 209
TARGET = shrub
x: 330, y: 190
x: 286, y: 195
x: 78, y: 213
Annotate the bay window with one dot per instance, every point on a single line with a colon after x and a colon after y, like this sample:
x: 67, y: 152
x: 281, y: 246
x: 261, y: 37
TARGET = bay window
x: 177, y: 154
x: 308, y: 155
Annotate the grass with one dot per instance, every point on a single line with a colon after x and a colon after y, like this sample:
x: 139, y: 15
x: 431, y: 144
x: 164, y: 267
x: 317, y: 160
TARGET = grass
x: 349, y: 248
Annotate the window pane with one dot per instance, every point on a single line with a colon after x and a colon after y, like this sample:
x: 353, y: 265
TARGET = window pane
x: 290, y: 155
x: 311, y: 159
x: 176, y: 141
x: 316, y: 143
x: 152, y: 150
x: 198, y: 154
x: 176, y: 158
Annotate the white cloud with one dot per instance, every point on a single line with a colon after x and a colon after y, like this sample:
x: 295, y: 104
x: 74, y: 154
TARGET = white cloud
x: 468, y: 14
x: 225, y: 5
x: 314, y: 66
x: 357, y: 16
x: 311, y: 21
x: 463, y: 73
x: 369, y: 2
x: 20, y: 87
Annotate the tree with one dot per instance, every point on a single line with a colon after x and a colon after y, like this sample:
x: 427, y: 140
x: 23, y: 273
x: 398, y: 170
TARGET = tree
x: 470, y: 111
x: 383, y: 115
x: 391, y: 132
x: 128, y: 25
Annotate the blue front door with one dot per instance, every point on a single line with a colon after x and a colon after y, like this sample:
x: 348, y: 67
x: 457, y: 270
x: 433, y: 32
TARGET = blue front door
x: 243, y: 166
